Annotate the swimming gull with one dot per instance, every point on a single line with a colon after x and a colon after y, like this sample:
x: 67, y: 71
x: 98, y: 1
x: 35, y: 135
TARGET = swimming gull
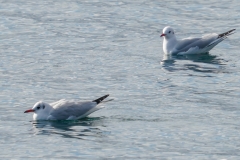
x: 190, y: 45
x: 65, y: 109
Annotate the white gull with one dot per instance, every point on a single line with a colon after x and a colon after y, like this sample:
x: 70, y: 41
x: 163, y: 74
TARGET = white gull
x: 190, y: 45
x: 65, y: 109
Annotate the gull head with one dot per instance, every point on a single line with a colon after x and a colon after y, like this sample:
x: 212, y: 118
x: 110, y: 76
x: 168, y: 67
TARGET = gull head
x: 41, y: 110
x: 168, y: 32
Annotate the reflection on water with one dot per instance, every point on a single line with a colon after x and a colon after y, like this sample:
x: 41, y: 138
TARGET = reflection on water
x: 70, y: 129
x: 202, y: 63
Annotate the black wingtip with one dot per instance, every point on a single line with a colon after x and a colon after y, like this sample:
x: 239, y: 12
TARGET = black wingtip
x: 99, y: 100
x: 226, y: 33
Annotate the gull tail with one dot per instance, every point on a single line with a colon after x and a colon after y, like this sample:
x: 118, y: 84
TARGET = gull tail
x: 221, y: 37
x: 226, y: 33
x: 107, y: 100
x: 99, y: 100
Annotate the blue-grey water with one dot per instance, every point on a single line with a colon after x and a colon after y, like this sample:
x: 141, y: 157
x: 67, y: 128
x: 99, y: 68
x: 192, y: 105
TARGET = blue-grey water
x: 174, y: 108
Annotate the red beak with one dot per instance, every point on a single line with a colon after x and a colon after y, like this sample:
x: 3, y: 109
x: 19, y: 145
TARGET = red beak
x: 30, y: 110
x: 163, y: 35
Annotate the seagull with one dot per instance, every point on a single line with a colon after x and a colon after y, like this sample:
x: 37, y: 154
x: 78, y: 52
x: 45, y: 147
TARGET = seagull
x: 190, y: 45
x: 65, y: 109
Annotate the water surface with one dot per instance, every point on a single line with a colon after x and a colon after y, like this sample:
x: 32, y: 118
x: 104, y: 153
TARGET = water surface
x: 184, y: 107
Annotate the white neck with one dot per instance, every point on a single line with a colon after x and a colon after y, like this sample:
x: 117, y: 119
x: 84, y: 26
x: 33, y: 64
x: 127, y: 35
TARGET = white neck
x: 168, y: 44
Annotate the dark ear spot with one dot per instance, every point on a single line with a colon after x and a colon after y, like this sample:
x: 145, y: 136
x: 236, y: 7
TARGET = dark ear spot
x: 43, y: 106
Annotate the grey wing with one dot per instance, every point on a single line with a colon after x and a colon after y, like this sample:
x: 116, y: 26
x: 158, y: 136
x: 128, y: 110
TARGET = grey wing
x: 185, y: 44
x: 58, y: 102
x: 65, y: 109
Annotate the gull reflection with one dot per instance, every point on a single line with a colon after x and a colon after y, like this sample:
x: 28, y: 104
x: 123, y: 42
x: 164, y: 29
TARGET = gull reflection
x: 202, y: 63
x: 70, y: 129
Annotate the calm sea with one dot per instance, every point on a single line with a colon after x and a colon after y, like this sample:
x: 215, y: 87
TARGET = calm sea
x: 170, y: 108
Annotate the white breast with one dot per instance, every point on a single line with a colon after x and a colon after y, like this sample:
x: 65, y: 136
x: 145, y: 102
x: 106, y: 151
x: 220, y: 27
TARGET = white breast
x: 168, y: 45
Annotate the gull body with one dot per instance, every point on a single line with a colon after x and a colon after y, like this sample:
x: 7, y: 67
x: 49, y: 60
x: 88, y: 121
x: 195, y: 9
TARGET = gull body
x: 190, y: 45
x: 65, y: 109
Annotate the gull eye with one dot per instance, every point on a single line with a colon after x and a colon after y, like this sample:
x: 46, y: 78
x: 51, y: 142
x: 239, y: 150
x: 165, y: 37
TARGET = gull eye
x: 38, y: 107
x: 169, y: 32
